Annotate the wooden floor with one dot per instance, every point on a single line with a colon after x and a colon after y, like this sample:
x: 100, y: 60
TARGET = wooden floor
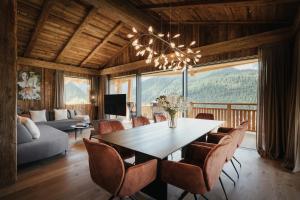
x: 67, y: 177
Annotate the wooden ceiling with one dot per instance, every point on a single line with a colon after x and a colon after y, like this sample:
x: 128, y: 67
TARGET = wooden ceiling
x: 92, y: 33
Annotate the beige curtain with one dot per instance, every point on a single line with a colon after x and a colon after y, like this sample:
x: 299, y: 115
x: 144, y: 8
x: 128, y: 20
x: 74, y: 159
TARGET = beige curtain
x: 102, y: 91
x: 274, y: 81
x: 292, y: 157
x: 59, y: 101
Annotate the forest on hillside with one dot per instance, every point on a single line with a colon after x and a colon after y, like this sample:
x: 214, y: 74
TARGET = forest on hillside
x: 229, y: 85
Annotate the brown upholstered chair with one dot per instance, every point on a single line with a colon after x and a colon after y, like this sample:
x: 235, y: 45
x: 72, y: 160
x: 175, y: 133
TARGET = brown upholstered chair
x: 208, y: 116
x: 108, y: 171
x: 199, y: 171
x: 159, y: 117
x: 237, y: 135
x: 139, y: 121
x: 110, y: 126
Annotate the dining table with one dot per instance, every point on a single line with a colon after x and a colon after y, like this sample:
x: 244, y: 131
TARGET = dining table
x: 158, y: 141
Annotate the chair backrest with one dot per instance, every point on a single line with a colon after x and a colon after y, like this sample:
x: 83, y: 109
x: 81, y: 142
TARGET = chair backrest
x: 159, y: 117
x: 208, y: 116
x: 243, y: 127
x: 106, y: 166
x: 215, y: 161
x: 235, y: 135
x: 140, y: 121
x: 109, y: 126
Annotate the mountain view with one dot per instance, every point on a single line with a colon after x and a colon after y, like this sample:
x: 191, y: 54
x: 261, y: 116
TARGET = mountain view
x: 76, y: 91
x: 229, y: 85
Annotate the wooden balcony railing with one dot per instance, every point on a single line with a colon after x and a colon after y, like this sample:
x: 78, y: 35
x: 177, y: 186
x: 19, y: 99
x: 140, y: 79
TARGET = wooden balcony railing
x: 232, y: 113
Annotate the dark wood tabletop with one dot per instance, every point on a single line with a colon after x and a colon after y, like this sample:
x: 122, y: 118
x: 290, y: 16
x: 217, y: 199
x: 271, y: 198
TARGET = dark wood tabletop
x: 157, y: 139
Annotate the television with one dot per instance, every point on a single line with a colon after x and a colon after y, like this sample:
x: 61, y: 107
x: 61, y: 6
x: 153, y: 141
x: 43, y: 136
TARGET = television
x: 115, y: 104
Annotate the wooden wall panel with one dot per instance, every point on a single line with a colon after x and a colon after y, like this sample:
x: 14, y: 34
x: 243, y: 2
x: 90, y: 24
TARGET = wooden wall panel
x: 8, y: 69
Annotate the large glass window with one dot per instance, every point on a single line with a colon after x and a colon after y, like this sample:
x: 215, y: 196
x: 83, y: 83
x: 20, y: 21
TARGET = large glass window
x: 125, y: 85
x: 77, y: 90
x: 157, y: 84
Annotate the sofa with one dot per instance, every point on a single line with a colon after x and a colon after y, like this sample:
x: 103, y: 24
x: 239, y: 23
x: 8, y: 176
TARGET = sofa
x: 65, y: 124
x: 50, y: 143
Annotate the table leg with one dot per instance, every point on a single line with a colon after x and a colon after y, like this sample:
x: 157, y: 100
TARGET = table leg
x: 157, y: 189
x: 75, y: 134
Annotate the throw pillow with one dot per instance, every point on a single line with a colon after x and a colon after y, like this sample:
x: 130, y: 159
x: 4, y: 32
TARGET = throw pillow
x: 31, y: 126
x: 23, y: 135
x: 38, y: 115
x: 72, y: 114
x: 60, y: 114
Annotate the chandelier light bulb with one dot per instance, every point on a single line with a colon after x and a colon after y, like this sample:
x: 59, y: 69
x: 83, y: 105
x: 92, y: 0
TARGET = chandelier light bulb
x: 161, y: 35
x: 193, y: 43
x: 134, y: 30
x: 176, y: 36
x: 150, y: 29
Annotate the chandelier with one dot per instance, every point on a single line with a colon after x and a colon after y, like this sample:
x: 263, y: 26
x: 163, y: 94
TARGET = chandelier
x: 170, y: 56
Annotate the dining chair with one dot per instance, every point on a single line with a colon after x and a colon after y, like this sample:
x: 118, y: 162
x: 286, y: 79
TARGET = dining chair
x: 208, y: 116
x: 199, y: 171
x: 109, y: 172
x: 140, y: 121
x: 110, y: 126
x: 159, y: 117
x: 243, y: 127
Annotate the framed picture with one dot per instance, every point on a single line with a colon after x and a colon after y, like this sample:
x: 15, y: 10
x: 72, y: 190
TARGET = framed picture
x: 29, y: 85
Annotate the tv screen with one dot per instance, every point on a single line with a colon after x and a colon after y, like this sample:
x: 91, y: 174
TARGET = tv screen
x: 115, y: 104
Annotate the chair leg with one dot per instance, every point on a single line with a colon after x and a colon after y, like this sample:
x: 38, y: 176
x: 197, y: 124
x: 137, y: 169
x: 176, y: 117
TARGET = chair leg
x: 237, y: 161
x: 235, y: 168
x: 223, y: 188
x: 229, y: 177
x: 204, y: 197
x: 183, y: 195
x: 195, y: 196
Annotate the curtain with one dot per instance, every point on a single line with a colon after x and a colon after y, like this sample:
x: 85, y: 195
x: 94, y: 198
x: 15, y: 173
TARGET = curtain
x: 59, y: 90
x: 102, y: 91
x: 273, y: 110
x: 95, y: 92
x: 292, y: 157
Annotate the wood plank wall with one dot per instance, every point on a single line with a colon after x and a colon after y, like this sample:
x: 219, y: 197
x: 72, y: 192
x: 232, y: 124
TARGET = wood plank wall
x: 8, y: 69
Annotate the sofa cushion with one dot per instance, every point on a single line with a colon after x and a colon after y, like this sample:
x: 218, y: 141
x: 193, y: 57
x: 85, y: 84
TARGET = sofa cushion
x: 38, y: 115
x: 23, y: 135
x: 60, y: 114
x: 72, y: 114
x: 31, y: 126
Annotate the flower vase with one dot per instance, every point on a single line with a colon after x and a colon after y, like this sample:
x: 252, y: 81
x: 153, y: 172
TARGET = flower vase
x: 172, y: 121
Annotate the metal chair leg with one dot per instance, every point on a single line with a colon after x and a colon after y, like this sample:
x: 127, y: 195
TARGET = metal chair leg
x: 223, y: 188
x: 229, y: 177
x: 204, y: 197
x: 235, y: 168
x: 183, y: 195
x: 195, y: 196
x: 237, y: 161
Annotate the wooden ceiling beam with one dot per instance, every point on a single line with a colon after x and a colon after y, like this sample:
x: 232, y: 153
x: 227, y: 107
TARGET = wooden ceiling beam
x: 219, y: 3
x: 39, y: 25
x: 56, y: 66
x: 88, y: 18
x: 211, y: 22
x: 247, y: 42
x: 107, y: 38
x: 125, y: 12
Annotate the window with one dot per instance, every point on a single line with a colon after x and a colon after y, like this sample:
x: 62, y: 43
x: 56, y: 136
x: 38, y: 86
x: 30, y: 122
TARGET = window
x: 77, y: 90
x: 125, y: 85
x: 157, y: 84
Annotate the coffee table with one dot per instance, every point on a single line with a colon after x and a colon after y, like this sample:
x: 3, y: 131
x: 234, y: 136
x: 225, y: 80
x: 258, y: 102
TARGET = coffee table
x: 79, y: 129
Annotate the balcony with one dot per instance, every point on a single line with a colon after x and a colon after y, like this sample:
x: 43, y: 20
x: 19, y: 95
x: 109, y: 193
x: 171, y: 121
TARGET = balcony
x: 232, y: 113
